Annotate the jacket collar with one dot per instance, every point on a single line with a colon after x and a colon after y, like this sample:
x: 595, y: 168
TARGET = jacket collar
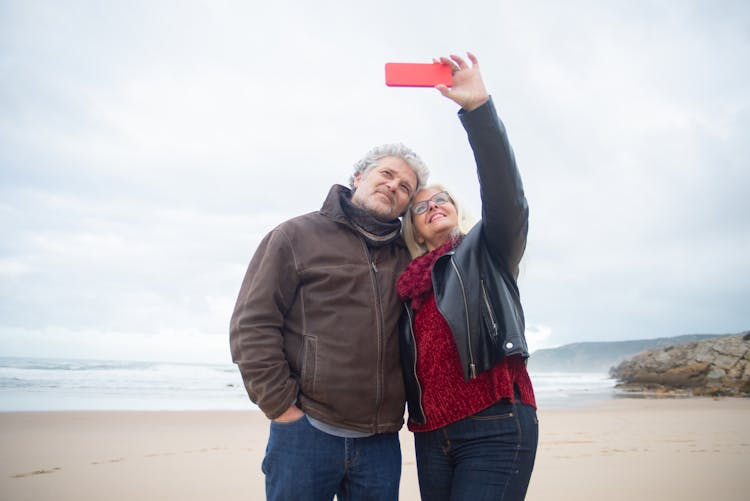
x: 376, y: 233
x: 415, y: 283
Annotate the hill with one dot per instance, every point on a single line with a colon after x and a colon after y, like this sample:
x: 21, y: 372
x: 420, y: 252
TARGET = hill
x: 601, y: 356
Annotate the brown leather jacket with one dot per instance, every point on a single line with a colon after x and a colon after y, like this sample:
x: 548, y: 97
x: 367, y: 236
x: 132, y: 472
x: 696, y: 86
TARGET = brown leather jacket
x: 316, y: 322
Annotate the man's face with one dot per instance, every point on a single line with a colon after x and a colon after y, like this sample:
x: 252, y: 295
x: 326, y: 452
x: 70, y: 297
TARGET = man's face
x: 386, y: 189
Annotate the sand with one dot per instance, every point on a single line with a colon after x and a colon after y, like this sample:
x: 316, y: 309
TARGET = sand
x: 667, y: 449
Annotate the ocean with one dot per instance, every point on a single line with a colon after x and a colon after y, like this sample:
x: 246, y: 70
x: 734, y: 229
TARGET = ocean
x: 29, y: 384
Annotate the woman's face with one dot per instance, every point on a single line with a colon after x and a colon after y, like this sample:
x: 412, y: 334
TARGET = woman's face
x: 435, y: 217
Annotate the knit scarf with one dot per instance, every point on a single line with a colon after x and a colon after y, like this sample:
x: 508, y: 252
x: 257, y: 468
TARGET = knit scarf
x: 376, y: 232
x: 415, y: 283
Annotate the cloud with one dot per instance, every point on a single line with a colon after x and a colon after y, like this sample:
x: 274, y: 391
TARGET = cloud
x: 145, y: 151
x: 538, y: 337
x: 160, y: 346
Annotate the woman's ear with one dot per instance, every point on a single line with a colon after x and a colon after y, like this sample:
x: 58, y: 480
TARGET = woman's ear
x: 418, y: 238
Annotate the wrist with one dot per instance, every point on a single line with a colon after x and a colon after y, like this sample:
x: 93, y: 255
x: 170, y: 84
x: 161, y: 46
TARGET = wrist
x: 291, y: 414
x: 476, y: 103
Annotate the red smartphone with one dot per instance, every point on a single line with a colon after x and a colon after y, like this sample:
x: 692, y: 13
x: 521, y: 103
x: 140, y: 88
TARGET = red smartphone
x: 417, y: 74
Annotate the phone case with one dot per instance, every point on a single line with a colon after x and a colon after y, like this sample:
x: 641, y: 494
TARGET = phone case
x: 417, y: 74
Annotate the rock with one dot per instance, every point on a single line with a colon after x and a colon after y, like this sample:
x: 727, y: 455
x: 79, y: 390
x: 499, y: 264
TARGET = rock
x: 716, y: 366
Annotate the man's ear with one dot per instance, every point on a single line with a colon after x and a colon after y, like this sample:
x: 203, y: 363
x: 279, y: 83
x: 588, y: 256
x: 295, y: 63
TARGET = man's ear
x: 357, y: 178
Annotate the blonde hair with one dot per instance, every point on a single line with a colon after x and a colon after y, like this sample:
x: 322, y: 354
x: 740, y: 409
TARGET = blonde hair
x: 409, y: 231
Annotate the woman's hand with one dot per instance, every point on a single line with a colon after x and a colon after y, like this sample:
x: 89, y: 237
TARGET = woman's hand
x: 468, y: 89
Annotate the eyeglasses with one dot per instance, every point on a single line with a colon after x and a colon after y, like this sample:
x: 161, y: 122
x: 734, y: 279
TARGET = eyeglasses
x: 440, y: 198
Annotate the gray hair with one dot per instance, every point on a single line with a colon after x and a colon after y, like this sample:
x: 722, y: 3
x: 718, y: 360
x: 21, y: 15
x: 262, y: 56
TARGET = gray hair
x: 409, y: 231
x: 397, y: 150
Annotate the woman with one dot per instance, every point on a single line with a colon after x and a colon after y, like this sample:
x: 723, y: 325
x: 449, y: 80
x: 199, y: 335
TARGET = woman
x: 471, y: 402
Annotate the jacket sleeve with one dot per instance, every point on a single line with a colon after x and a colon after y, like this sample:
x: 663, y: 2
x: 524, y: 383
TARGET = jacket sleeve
x: 505, y: 211
x: 256, y: 329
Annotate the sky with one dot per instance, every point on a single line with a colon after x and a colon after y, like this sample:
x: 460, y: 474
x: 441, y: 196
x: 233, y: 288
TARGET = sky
x: 147, y: 146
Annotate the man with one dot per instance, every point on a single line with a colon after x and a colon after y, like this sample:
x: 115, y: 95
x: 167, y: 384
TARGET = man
x: 315, y: 335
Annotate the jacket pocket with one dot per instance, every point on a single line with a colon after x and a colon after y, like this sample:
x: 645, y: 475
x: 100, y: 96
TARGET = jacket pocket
x: 309, y: 370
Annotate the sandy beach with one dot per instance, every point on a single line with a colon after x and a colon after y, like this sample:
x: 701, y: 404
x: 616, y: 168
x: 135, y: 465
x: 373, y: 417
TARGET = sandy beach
x: 625, y: 449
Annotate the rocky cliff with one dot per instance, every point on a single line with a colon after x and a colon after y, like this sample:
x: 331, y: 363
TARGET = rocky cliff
x: 718, y: 366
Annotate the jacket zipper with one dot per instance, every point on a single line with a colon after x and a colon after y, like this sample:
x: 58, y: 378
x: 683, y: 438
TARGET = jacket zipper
x: 489, y: 306
x: 414, y: 359
x: 380, y: 317
x: 472, y: 365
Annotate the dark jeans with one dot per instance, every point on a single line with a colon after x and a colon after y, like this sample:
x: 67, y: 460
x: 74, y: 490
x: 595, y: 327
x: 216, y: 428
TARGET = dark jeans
x: 487, y: 456
x: 304, y: 463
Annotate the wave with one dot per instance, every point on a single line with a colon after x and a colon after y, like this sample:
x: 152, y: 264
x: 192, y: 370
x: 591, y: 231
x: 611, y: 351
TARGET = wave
x: 65, y: 384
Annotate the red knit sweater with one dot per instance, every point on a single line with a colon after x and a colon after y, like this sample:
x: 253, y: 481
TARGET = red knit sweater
x: 446, y: 397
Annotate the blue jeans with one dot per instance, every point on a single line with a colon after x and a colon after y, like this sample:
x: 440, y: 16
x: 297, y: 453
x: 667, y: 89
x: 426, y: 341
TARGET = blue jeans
x: 487, y: 456
x: 304, y: 463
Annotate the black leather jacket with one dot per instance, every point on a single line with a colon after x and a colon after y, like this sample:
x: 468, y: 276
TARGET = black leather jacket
x: 475, y: 284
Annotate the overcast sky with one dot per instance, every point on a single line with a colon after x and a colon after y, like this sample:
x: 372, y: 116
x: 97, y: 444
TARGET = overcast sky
x: 147, y: 146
